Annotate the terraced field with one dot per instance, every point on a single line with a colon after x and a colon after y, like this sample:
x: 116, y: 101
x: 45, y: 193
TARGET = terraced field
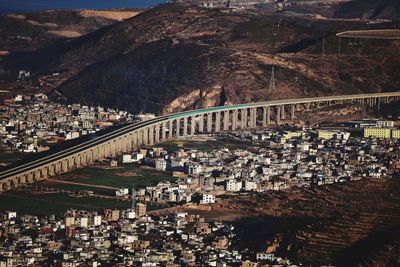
x: 355, y: 224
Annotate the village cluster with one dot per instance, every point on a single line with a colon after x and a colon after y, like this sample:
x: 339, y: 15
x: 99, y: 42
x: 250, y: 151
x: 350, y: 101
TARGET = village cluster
x: 32, y: 123
x: 121, y: 238
x: 274, y: 160
x: 245, y: 162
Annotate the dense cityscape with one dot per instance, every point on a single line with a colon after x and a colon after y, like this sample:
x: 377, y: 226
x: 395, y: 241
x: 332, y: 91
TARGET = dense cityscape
x: 271, y: 160
x: 215, y: 133
x: 32, y: 123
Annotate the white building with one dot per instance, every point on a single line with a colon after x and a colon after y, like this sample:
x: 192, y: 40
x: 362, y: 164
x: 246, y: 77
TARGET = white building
x: 207, y: 199
x: 161, y: 164
x: 250, y: 185
x: 82, y: 222
x: 11, y: 215
x: 127, y: 158
x: 265, y: 256
x: 121, y: 192
x: 137, y: 157
x: 233, y: 185
x: 385, y: 123
x: 96, y: 220
x: 128, y: 214
x: 194, y: 169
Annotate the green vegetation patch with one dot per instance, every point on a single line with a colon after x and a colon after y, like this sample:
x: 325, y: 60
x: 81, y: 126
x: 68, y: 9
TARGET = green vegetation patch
x: 43, y: 204
x: 124, y: 176
x: 10, y: 157
x: 207, y: 146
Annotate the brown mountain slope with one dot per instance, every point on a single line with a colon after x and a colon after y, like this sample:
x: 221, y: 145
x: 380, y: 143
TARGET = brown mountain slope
x: 369, y: 9
x: 343, y: 225
x: 30, y: 31
x: 178, y: 56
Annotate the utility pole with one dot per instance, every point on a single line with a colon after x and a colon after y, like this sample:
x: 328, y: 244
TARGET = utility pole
x: 133, y: 196
x: 272, y: 81
x: 323, y: 46
x: 339, y: 46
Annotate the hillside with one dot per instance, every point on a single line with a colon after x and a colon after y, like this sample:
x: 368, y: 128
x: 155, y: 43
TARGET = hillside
x: 30, y: 31
x: 369, y: 9
x: 177, y: 56
x: 342, y: 225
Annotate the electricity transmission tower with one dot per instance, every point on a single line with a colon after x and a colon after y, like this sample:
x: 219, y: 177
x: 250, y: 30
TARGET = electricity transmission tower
x: 272, y: 81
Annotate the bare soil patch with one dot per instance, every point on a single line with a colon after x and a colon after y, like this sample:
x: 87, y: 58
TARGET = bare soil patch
x: 128, y: 174
x: 114, y: 15
x: 65, y: 33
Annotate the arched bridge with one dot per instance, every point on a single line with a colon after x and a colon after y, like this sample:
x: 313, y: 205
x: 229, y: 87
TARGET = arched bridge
x: 161, y: 129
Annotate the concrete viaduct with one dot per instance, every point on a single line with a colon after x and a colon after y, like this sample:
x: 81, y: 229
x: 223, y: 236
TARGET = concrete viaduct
x: 164, y: 128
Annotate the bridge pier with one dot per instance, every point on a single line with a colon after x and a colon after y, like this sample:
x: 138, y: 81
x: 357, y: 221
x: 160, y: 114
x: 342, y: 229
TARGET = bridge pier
x: 26, y: 178
x: 57, y: 167
x: 37, y: 175
x: 264, y: 117
x: 84, y: 157
x: 124, y: 147
x: 245, y: 118
x: 177, y: 127
x: 234, y: 119
x: 151, y: 135
x: 209, y: 122
x: 157, y: 136
x: 44, y: 173
x: 146, y: 136
x: 113, y: 151
x: 185, y: 126
x: 293, y: 116
x: 250, y: 118
x: 64, y: 166
x: 171, y: 129
x: 50, y: 170
x: 164, y: 131
x: 253, y: 117
x: 192, y: 125
x: 89, y: 154
x: 201, y: 123
x: 278, y: 115
x: 107, y: 150
x: 217, y: 121
x: 129, y: 144
x: 226, y: 120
